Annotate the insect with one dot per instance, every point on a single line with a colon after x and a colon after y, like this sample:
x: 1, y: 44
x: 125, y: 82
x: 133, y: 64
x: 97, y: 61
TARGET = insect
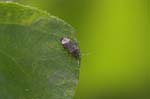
x: 71, y: 47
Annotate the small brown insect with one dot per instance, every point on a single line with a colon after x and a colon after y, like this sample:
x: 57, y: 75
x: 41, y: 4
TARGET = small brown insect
x: 71, y: 47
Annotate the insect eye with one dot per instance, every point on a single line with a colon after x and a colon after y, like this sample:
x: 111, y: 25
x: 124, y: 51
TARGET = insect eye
x: 65, y: 40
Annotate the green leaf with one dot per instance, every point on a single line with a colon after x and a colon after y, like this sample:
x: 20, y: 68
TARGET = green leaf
x: 33, y: 62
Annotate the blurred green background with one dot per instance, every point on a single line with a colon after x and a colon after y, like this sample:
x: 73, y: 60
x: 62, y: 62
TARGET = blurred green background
x: 115, y: 44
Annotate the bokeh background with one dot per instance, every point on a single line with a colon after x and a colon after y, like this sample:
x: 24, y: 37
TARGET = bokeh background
x: 115, y: 44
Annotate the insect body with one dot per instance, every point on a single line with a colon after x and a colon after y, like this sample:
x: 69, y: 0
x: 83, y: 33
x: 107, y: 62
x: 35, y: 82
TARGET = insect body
x: 71, y: 47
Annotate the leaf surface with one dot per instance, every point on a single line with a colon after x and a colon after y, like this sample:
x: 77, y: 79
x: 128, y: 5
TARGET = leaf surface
x: 33, y: 62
